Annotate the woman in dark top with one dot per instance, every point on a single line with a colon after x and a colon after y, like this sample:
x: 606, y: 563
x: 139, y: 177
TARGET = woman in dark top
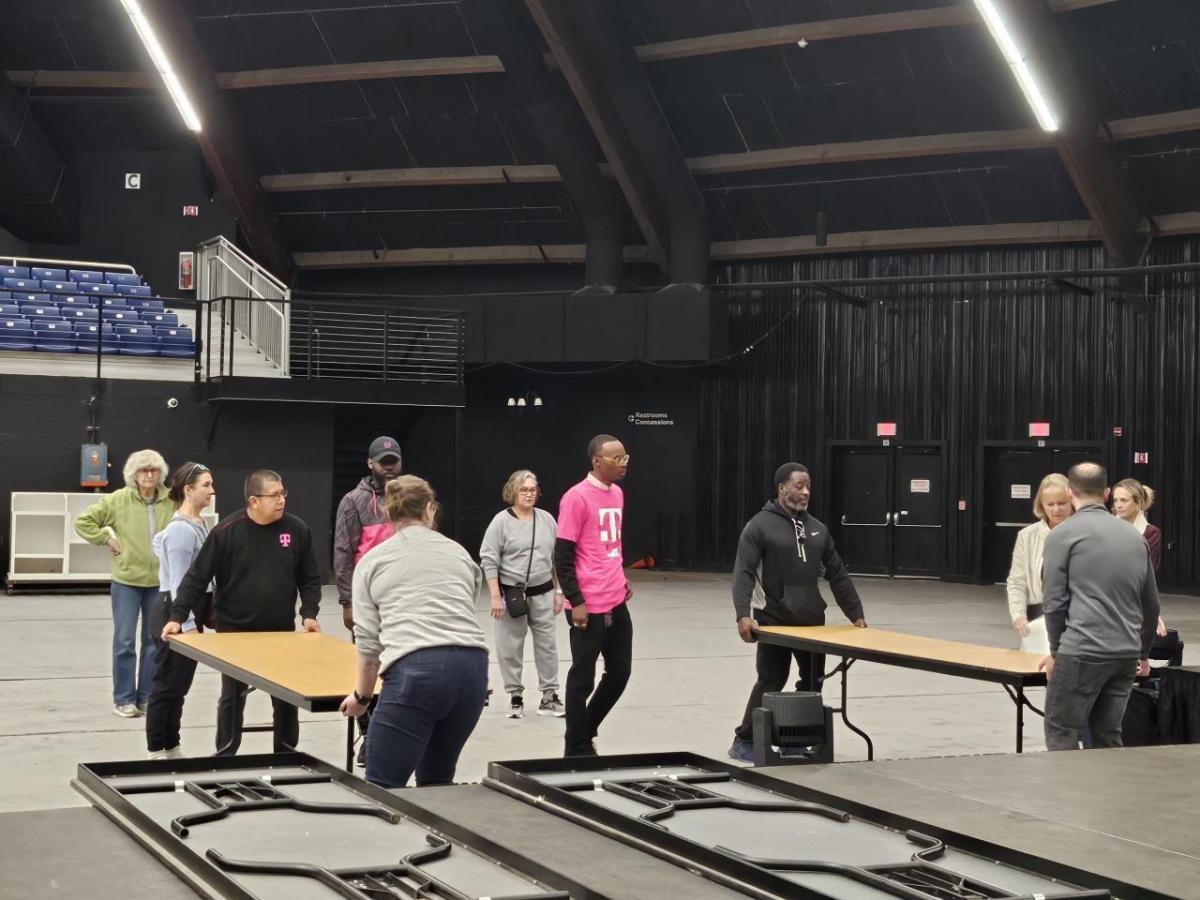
x: 1131, y: 500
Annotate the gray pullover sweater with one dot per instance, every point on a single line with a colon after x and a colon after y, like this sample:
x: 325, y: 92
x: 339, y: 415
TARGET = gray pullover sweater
x: 1098, y: 587
x: 504, y: 553
x: 415, y: 590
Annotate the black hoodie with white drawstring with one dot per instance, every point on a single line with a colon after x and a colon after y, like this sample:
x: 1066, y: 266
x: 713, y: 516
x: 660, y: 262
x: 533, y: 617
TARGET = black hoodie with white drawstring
x: 776, y: 572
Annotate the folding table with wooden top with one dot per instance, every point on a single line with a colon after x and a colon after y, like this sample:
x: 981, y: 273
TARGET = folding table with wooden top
x: 1014, y: 670
x: 311, y: 671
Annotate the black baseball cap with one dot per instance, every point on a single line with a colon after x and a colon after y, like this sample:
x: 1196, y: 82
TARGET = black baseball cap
x: 384, y: 446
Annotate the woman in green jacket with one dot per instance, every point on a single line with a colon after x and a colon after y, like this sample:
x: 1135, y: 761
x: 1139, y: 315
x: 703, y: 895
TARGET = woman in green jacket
x: 127, y: 521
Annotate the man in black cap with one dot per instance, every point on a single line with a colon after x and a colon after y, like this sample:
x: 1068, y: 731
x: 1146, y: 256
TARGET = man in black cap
x: 361, y: 524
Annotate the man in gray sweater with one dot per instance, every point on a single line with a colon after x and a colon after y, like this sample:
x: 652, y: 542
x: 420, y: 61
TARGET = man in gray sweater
x: 1101, y: 607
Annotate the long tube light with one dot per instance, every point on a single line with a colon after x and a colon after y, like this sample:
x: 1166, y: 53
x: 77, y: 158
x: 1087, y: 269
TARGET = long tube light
x: 159, y: 58
x: 1016, y: 61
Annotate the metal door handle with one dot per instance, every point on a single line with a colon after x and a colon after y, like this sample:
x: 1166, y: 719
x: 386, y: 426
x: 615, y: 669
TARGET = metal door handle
x: 883, y: 524
x: 918, y: 526
x: 1011, y: 524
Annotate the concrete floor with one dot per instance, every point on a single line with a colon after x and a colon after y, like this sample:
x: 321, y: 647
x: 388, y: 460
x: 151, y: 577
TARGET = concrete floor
x: 690, y: 678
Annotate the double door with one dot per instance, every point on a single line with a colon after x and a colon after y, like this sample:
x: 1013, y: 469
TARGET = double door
x: 889, y: 508
x: 1011, y: 476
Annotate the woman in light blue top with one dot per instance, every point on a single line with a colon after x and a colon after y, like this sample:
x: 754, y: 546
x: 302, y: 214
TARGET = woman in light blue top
x: 176, y: 546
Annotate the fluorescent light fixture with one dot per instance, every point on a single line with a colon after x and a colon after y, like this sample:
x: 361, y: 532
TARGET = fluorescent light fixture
x: 162, y: 64
x: 1012, y: 55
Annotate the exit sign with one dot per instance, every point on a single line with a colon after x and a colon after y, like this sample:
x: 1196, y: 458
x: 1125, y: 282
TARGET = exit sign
x: 885, y: 429
x: 191, y: 210
x: 1039, y: 429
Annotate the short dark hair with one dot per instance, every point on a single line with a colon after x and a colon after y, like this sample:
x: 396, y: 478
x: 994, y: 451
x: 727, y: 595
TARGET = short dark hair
x: 188, y: 473
x: 258, y: 479
x: 596, y: 444
x: 784, y: 473
x: 1087, y: 479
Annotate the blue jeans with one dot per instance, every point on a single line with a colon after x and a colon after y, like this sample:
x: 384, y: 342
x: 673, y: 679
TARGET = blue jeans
x: 132, y: 682
x: 429, y: 705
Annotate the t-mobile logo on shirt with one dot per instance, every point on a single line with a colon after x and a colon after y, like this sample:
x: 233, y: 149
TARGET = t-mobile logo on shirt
x: 610, y: 524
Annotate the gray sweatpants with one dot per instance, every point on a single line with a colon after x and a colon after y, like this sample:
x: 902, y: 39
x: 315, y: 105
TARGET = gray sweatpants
x: 510, y: 644
x: 1087, y: 692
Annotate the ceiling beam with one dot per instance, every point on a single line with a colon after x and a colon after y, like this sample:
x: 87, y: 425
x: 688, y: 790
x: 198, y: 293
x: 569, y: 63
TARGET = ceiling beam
x: 446, y: 176
x: 1105, y: 190
x: 258, y: 78
x: 895, y: 240
x: 220, y: 144
x: 569, y: 49
x: 826, y: 30
x: 1152, y: 126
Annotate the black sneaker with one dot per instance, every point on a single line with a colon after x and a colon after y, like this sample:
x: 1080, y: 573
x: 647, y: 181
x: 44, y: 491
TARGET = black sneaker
x: 516, y: 706
x: 588, y: 749
x: 551, y: 706
x: 361, y: 758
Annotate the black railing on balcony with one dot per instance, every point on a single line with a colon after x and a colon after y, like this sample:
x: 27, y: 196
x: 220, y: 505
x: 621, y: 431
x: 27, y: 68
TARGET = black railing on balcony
x: 324, y: 339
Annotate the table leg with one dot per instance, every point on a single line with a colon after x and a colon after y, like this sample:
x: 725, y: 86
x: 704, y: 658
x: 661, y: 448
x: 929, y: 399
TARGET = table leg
x: 844, y: 668
x: 1016, y: 693
x: 350, y: 743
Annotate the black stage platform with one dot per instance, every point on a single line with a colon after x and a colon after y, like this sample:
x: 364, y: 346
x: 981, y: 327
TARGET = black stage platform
x: 1129, y: 816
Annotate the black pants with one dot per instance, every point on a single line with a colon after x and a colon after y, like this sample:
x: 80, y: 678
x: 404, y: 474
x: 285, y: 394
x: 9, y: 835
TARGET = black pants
x: 773, y: 663
x: 231, y: 708
x: 614, y: 642
x: 173, y: 673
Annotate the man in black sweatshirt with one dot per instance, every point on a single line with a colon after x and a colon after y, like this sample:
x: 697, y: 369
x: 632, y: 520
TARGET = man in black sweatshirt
x: 781, y: 554
x: 260, y: 557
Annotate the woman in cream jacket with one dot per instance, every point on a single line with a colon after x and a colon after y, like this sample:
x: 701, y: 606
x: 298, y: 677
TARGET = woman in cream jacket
x: 1052, y: 507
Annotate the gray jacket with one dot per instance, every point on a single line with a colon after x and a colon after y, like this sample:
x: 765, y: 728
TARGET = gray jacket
x: 504, y: 554
x: 359, y: 509
x: 1098, y: 587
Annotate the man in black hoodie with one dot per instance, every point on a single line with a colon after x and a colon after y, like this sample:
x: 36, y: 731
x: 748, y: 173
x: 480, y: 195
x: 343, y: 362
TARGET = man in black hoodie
x: 782, y: 552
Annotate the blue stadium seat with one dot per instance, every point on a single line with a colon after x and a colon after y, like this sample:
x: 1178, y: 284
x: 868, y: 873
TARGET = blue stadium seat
x: 35, y: 299
x: 79, y: 302
x: 86, y: 335
x: 40, y: 312
x: 114, y: 302
x: 95, y: 288
x: 177, y: 331
x: 85, y: 276
x: 56, y: 337
x: 22, y: 284
x: 9, y: 310
x: 14, y: 272
x: 15, y: 334
x: 136, y: 290
x: 80, y: 314
x: 170, y: 320
x: 5, y: 295
x: 125, y: 278
x: 125, y: 316
x: 176, y: 343
x: 138, y: 342
x: 59, y: 287
x: 48, y: 274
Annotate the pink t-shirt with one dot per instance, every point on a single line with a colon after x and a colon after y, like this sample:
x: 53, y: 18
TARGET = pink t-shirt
x: 591, y: 517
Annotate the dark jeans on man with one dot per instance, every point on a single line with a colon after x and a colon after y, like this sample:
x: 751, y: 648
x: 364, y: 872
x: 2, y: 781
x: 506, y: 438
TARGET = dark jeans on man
x: 173, y: 673
x: 430, y: 703
x: 1087, y: 692
x: 232, y: 706
x: 608, y: 635
x: 773, y: 663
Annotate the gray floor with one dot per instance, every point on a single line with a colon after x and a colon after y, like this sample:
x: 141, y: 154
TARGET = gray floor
x: 690, y: 679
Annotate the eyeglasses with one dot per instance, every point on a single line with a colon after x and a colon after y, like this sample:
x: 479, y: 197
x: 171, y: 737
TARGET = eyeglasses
x: 619, y: 460
x: 196, y: 467
x: 278, y: 495
x: 527, y: 490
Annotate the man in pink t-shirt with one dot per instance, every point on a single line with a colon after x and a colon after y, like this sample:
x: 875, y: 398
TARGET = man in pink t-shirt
x: 587, y: 557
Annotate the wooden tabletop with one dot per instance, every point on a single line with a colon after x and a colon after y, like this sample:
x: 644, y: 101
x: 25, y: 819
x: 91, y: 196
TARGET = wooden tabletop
x: 877, y: 645
x: 311, y: 671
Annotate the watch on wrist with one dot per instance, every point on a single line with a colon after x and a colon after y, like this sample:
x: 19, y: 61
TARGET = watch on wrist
x: 359, y: 698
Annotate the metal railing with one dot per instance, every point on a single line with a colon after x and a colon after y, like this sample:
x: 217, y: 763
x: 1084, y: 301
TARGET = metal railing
x: 69, y: 264
x: 377, y: 341
x: 222, y: 270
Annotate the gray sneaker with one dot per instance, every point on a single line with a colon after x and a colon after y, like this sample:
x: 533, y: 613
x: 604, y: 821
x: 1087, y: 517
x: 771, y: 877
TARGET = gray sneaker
x: 126, y: 710
x: 551, y: 706
x: 516, y: 706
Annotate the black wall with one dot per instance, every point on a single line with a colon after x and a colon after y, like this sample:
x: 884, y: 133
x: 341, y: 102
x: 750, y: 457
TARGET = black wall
x: 961, y: 364
x: 144, y: 228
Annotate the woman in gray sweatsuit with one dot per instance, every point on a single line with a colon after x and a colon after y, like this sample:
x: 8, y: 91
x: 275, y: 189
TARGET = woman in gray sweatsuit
x: 505, y: 557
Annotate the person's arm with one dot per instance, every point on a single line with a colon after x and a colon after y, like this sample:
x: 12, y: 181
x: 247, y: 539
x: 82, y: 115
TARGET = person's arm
x: 559, y: 596
x: 745, y: 569
x: 366, y: 642
x: 564, y: 569
x: 1018, y: 584
x: 347, y: 530
x: 1056, y: 591
x: 844, y: 591
x: 308, y: 582
x: 179, y: 549
x: 489, y: 561
x: 1154, y: 543
x: 572, y: 513
x: 189, y: 596
x: 94, y: 524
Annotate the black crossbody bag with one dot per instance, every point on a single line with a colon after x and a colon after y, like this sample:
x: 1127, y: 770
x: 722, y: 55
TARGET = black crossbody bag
x: 516, y: 600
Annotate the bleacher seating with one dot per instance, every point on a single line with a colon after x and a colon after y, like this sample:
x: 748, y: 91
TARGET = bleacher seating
x: 55, y: 310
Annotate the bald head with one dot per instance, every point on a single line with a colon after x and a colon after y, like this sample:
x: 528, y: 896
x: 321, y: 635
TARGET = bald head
x: 1088, y: 481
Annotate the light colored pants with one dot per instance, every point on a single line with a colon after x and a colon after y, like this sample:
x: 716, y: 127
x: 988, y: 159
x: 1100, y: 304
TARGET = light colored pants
x: 510, y: 644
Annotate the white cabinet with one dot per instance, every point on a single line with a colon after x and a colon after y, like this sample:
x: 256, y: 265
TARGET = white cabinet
x: 43, y: 545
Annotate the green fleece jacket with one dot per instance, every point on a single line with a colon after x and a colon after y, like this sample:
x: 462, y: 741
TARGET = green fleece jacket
x: 124, y: 512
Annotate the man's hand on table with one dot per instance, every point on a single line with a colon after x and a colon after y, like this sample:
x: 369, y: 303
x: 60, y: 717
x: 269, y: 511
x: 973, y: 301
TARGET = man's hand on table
x: 1047, y: 666
x: 747, y: 627
x: 859, y: 623
x: 169, y: 629
x: 312, y: 626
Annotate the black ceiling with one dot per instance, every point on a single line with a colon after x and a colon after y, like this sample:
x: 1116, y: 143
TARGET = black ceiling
x: 1137, y: 57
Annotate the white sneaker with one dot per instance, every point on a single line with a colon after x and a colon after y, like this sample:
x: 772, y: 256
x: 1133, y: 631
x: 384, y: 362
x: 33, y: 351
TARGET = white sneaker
x: 158, y: 754
x: 175, y: 752
x: 126, y: 710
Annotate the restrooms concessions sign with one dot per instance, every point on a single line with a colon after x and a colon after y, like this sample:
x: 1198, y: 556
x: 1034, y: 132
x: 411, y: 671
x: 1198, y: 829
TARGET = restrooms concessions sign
x: 651, y: 418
